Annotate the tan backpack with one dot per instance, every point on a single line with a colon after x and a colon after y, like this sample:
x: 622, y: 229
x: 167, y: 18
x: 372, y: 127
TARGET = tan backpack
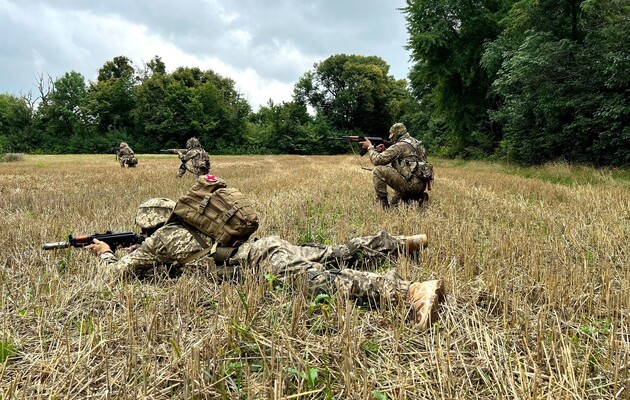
x: 216, y: 210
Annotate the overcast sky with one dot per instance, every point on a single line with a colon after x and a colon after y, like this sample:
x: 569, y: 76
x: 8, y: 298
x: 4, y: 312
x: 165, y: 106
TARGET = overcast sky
x: 264, y: 45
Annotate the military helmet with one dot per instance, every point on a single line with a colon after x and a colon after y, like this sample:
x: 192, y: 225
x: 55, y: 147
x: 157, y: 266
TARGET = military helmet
x: 192, y: 143
x: 396, y: 131
x: 154, y: 212
x: 123, y: 144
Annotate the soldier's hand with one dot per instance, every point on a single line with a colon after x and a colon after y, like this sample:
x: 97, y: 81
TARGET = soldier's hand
x: 366, y: 145
x: 380, y: 147
x: 132, y: 248
x: 97, y: 247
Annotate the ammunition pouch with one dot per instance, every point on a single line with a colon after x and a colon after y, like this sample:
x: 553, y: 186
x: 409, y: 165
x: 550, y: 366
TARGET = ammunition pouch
x: 223, y: 254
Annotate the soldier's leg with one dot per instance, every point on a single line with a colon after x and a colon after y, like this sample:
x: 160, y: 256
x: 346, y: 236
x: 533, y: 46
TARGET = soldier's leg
x: 193, y: 169
x: 395, y: 199
x: 421, y: 299
x: 314, y: 262
x: 424, y: 200
x: 181, y: 171
x: 287, y: 262
x: 380, y: 184
x: 414, y: 193
x: 202, y: 170
x: 362, y: 251
x: 385, y: 176
x: 370, y: 287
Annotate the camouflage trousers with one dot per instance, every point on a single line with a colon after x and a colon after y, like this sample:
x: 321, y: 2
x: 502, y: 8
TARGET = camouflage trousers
x: 195, y: 170
x: 127, y: 161
x: 385, y: 176
x: 331, y: 268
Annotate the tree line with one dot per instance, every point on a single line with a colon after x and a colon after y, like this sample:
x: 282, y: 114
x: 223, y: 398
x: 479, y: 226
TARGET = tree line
x: 527, y: 81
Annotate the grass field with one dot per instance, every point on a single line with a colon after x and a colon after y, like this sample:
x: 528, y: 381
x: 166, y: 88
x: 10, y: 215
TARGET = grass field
x: 536, y: 262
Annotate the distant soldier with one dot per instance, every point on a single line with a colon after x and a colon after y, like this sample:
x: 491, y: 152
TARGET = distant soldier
x: 126, y: 156
x: 195, y: 160
x: 402, y: 167
x: 324, y: 268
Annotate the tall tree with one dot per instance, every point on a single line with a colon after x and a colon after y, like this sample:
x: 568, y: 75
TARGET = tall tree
x: 446, y: 39
x: 190, y: 102
x: 111, y: 99
x: 561, y: 76
x: 353, y: 92
x: 286, y: 128
x: 61, y: 118
x: 153, y: 67
x: 15, y: 124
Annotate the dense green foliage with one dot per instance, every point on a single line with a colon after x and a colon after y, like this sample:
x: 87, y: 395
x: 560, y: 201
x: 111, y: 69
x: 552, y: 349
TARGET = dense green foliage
x: 353, y: 93
x: 528, y: 81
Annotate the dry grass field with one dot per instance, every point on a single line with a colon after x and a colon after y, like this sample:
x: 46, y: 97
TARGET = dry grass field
x: 536, y: 262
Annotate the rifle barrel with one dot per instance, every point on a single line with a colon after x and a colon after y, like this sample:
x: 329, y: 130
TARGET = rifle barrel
x: 55, y: 245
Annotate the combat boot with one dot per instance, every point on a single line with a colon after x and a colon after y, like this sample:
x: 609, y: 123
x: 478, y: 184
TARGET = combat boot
x: 424, y: 200
x: 382, y: 200
x: 395, y: 200
x: 415, y: 243
x: 425, y: 298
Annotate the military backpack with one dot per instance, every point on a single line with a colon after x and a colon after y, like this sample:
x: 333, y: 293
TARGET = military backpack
x: 415, y: 165
x: 222, y: 213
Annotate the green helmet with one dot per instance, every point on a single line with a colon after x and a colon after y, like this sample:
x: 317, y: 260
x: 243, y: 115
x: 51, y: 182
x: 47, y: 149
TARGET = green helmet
x: 154, y: 213
x: 192, y: 143
x: 396, y: 131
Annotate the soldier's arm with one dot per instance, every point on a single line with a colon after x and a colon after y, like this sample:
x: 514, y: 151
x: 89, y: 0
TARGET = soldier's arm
x: 188, y: 155
x: 386, y: 157
x: 150, y: 253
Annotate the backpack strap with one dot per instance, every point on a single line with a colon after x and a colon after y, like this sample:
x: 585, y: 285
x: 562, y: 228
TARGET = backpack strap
x: 414, y: 148
x: 206, y: 249
x: 195, y: 256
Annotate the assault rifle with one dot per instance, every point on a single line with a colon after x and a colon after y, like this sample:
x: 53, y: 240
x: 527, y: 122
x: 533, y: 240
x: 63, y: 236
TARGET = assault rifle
x: 113, y: 239
x: 114, y: 150
x: 174, y: 151
x: 360, y: 139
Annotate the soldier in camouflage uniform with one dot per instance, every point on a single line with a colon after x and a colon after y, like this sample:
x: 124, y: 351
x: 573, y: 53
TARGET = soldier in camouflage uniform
x: 126, y: 156
x: 400, y: 167
x: 324, y: 268
x: 195, y: 159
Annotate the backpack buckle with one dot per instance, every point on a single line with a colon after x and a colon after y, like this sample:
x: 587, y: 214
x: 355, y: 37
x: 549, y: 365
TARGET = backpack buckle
x: 203, y: 204
x: 229, y: 213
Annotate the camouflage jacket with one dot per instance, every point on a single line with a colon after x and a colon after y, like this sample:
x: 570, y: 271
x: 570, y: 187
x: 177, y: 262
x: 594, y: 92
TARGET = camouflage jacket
x: 404, y: 155
x: 197, y: 156
x: 324, y: 267
x: 167, y: 245
x: 125, y: 152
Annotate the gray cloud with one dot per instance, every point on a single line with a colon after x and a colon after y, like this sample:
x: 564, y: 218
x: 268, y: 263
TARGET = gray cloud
x: 261, y: 45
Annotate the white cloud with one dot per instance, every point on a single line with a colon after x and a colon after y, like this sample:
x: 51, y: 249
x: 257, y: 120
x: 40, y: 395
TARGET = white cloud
x: 226, y: 16
x: 263, y: 46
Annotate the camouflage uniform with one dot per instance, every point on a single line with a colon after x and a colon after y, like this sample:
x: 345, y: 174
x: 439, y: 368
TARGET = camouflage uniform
x: 397, y: 167
x: 324, y: 268
x: 329, y: 268
x: 126, y: 156
x: 195, y: 159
